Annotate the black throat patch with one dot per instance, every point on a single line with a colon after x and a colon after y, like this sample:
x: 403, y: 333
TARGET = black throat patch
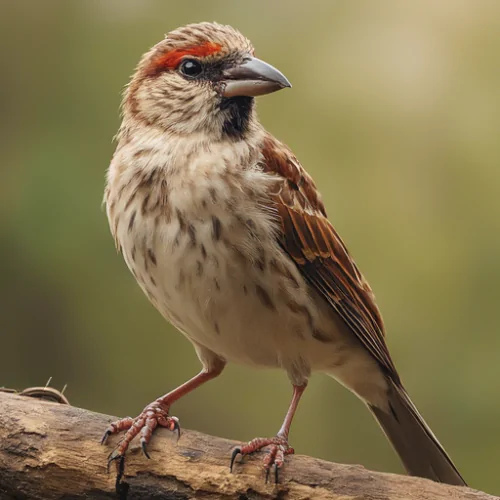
x: 237, y: 111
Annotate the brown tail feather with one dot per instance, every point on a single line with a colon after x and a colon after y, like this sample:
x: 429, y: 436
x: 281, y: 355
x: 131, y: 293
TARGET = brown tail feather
x: 414, y: 442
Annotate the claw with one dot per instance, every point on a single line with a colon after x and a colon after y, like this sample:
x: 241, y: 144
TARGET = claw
x: 234, y: 454
x: 114, y: 455
x: 106, y: 435
x: 144, y: 445
x: 177, y: 428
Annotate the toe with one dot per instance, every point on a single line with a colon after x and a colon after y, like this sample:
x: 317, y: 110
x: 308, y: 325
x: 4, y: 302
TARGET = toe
x: 123, y: 424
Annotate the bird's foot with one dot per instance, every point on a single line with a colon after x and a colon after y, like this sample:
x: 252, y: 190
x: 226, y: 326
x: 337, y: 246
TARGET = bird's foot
x: 278, y: 449
x: 154, y: 415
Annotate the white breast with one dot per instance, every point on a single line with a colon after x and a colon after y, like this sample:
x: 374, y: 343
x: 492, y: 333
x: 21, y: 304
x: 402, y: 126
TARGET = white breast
x: 195, y: 253
x: 195, y: 231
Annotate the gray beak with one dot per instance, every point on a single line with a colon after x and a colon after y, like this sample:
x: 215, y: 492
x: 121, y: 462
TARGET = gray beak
x: 252, y: 78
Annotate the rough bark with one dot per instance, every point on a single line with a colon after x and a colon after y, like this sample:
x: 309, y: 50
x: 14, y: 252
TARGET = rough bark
x: 50, y: 451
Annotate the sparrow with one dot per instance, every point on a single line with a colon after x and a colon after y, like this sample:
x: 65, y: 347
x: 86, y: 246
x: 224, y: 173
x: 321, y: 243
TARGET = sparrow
x: 227, y: 235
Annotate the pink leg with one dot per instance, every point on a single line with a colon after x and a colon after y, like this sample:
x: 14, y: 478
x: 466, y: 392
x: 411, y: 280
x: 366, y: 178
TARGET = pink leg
x: 154, y: 415
x: 279, y: 446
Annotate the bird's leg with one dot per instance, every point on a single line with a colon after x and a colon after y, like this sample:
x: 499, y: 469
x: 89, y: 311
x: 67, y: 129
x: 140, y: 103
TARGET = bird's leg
x: 278, y: 445
x: 154, y: 415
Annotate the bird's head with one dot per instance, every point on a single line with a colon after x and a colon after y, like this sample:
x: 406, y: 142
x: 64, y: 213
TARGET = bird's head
x: 200, y: 78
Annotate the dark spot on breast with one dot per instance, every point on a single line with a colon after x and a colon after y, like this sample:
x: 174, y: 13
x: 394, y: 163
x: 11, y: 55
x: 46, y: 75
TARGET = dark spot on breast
x: 180, y: 218
x: 122, y: 188
x: 230, y: 204
x: 213, y: 194
x: 245, y: 290
x: 203, y: 251
x: 152, y: 256
x: 131, y: 222
x: 131, y: 199
x: 297, y: 308
x: 199, y: 268
x: 321, y: 336
x: 142, y: 152
x: 149, y: 177
x: 216, y: 328
x: 216, y: 228
x: 265, y: 298
x: 216, y: 284
x: 261, y: 261
x: 192, y: 235
x: 153, y: 281
x: 144, y: 205
x: 291, y: 277
x: 134, y: 250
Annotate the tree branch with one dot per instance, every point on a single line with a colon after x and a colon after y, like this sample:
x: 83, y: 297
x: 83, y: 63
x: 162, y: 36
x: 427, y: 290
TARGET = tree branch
x: 50, y: 451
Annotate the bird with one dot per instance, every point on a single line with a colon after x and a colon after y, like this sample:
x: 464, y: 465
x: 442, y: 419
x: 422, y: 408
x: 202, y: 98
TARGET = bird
x: 227, y: 235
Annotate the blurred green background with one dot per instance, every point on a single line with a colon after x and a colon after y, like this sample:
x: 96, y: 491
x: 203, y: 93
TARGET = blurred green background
x: 395, y: 111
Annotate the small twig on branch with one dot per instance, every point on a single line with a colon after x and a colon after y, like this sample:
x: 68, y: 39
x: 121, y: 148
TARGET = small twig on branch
x: 50, y: 451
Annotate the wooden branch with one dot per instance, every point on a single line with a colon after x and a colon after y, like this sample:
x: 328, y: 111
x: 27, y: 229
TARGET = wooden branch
x: 50, y: 450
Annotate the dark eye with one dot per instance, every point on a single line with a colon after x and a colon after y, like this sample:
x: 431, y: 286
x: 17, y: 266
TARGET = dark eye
x: 191, y: 67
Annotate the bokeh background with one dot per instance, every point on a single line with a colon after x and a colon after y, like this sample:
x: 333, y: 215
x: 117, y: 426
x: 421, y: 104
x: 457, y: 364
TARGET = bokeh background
x: 395, y: 110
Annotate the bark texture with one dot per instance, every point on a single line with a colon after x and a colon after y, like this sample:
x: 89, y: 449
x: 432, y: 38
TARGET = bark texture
x: 50, y: 451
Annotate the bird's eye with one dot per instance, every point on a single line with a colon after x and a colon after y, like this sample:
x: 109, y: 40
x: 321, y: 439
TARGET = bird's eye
x: 191, y: 67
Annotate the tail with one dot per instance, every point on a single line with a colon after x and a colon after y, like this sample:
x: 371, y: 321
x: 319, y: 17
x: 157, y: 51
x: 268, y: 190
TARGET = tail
x: 414, y: 442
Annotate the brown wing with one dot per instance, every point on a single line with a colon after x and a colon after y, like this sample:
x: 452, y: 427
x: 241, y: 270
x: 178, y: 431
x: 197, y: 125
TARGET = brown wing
x: 320, y: 254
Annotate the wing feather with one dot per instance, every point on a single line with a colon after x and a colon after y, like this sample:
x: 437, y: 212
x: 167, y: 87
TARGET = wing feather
x: 310, y: 240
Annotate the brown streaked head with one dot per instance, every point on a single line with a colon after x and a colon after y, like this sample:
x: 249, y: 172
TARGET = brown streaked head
x: 201, y: 78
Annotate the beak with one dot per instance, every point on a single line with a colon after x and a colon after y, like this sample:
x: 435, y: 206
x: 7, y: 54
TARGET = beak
x: 252, y: 78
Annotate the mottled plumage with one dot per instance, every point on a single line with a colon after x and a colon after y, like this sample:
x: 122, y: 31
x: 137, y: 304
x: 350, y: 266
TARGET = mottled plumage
x: 227, y: 235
